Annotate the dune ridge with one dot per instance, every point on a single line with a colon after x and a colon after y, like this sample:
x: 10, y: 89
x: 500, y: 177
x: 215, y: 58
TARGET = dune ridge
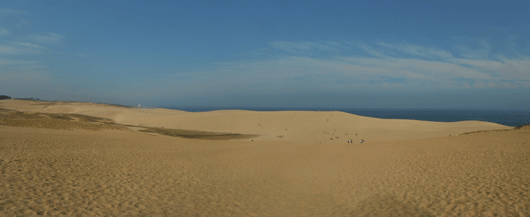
x: 296, y: 126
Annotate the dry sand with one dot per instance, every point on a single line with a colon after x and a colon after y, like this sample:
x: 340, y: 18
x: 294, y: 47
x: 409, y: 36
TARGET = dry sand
x: 81, y: 166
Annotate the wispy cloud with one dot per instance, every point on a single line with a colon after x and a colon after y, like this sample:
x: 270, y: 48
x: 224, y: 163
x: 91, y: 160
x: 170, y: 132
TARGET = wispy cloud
x: 482, y: 50
x: 379, y: 66
x: 20, y: 65
x: 9, y: 11
x: 48, y: 38
x: 20, y: 48
x: 367, y: 48
x: 418, y: 51
x: 4, y: 32
x: 303, y: 47
x: 28, y: 44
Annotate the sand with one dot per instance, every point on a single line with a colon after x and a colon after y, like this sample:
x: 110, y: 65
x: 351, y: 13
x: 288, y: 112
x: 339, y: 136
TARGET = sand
x: 405, y: 167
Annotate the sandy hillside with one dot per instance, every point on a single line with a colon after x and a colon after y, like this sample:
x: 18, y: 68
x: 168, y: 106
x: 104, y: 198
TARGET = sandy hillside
x: 74, y: 165
x: 294, y: 126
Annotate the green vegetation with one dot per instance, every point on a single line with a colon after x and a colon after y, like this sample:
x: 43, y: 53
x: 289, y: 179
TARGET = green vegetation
x: 76, y: 121
x: 483, y: 131
x: 55, y: 121
x: 29, y: 98
x: 193, y: 134
x: 521, y: 126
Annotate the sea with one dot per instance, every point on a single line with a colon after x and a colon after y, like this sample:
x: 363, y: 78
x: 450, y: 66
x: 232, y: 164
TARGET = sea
x: 505, y: 117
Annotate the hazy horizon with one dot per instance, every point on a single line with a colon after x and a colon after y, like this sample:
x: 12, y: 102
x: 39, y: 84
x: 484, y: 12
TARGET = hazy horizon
x: 310, y: 54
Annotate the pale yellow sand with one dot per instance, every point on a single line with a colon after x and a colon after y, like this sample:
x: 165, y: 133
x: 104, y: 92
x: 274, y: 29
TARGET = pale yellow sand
x: 406, y: 168
x: 294, y: 126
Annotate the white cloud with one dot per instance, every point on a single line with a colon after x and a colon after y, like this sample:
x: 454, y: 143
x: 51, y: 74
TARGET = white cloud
x: 20, y: 65
x: 22, y: 69
x: 6, y: 49
x: 303, y: 47
x: 28, y: 44
x: 483, y: 51
x: 9, y: 11
x: 4, y: 62
x: 367, y: 48
x: 382, y: 67
x: 424, y: 52
x: 20, y: 48
x: 49, y: 38
x: 4, y: 32
x: 426, y: 68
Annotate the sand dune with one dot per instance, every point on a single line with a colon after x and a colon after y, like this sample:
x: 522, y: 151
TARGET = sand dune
x: 295, y: 126
x: 406, y: 168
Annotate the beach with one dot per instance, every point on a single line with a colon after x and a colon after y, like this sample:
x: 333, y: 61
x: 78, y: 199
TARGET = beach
x: 70, y: 159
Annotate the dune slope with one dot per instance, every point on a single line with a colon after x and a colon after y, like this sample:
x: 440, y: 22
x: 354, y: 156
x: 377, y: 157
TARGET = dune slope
x: 294, y: 126
x: 74, y: 172
x: 56, y: 164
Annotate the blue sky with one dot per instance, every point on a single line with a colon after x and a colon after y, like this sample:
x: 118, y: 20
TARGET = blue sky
x: 358, y: 54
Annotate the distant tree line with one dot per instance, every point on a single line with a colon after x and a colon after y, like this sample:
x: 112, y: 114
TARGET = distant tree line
x: 25, y: 98
x: 521, y: 126
x: 29, y: 98
x: 119, y: 105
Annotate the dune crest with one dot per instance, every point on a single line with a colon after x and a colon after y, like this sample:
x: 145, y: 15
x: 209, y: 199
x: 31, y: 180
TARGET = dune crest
x: 295, y: 126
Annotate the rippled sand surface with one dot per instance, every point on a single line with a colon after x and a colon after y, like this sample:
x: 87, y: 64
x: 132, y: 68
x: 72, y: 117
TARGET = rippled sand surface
x: 60, y: 172
x: 120, y: 172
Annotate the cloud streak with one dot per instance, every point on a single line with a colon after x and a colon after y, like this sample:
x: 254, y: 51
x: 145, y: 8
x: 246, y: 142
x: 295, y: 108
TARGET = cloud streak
x: 48, y: 38
x: 379, y: 66
x: 20, y: 48
x: 9, y: 11
x: 4, y: 32
x: 303, y: 47
x: 419, y: 51
x: 23, y: 68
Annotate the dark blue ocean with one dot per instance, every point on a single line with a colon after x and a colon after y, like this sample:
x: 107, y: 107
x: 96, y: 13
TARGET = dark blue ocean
x: 505, y: 117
